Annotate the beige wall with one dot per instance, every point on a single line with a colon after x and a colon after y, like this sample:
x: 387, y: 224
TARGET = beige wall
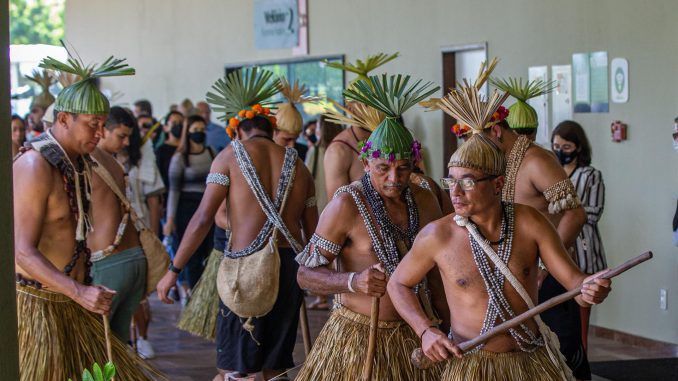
x: 180, y: 48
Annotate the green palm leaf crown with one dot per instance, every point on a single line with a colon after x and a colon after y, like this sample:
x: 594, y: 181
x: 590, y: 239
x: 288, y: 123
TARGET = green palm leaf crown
x: 363, y: 68
x: 84, y: 96
x: 523, y: 117
x: 241, y: 90
x: 393, y: 96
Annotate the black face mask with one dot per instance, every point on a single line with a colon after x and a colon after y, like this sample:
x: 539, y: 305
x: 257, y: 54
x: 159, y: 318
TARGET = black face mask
x: 176, y: 130
x: 146, y: 126
x: 197, y: 137
x: 565, y: 157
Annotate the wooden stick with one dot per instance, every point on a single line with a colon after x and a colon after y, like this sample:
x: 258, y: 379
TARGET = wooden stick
x: 305, y: 333
x: 372, y: 341
x: 107, y: 334
x: 420, y: 360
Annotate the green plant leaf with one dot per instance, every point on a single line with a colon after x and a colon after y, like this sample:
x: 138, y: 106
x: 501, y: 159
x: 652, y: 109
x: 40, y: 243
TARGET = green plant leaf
x: 109, y: 371
x: 87, y: 376
x: 98, y: 374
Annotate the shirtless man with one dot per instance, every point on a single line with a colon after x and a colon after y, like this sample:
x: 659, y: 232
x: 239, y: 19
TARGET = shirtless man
x: 534, y: 177
x: 118, y: 259
x: 342, y: 159
x: 367, y: 227
x: 267, y: 350
x: 520, y: 235
x: 52, y: 263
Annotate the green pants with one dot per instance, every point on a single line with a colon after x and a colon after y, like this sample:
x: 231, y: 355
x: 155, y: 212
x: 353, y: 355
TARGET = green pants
x: 124, y: 272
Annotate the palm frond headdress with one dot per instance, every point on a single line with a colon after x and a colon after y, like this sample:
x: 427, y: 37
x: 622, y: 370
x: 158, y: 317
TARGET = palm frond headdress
x: 391, y: 95
x: 288, y: 116
x: 243, y: 94
x: 523, y: 117
x: 84, y: 96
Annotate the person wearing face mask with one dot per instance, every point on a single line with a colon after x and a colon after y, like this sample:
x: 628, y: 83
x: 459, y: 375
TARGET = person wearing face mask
x: 174, y: 122
x: 573, y: 150
x: 188, y: 171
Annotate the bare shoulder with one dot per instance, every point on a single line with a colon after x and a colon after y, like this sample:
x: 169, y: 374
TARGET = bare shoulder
x: 426, y: 200
x: 108, y: 161
x: 526, y: 215
x: 542, y: 160
x: 222, y: 160
x: 543, y: 168
x: 32, y: 165
x: 438, y: 232
x: 339, y: 152
x: 342, y: 205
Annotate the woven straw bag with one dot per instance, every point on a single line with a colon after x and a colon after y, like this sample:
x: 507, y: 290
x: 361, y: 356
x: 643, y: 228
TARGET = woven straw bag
x: 248, y: 286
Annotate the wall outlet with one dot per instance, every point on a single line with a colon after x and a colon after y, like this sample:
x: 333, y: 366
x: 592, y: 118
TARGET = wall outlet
x: 663, y: 298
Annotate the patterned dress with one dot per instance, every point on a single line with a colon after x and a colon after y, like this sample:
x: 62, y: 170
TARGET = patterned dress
x: 588, y: 182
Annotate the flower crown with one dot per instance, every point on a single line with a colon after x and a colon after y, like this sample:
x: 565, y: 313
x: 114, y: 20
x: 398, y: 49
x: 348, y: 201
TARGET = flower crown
x: 249, y: 113
x: 366, y: 152
x: 501, y: 114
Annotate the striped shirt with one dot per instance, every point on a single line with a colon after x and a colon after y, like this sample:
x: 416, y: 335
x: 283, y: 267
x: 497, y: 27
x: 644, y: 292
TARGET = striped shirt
x: 588, y: 182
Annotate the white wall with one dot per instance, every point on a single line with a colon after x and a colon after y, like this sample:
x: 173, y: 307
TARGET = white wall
x: 179, y: 49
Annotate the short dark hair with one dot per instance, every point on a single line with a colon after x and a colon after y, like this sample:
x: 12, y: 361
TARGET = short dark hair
x: 145, y: 106
x: 17, y: 117
x: 118, y: 116
x: 184, y: 146
x: 172, y: 112
x: 573, y: 132
x: 134, y: 147
x: 259, y: 123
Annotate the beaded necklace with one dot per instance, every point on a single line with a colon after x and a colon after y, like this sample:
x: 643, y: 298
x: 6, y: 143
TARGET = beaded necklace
x: 513, y: 161
x: 498, y: 307
x: 77, y: 185
x: 390, y: 232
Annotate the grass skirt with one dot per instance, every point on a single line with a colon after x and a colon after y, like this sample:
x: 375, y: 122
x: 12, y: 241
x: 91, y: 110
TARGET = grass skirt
x: 509, y: 366
x: 339, y: 352
x: 58, y: 339
x: 200, y: 315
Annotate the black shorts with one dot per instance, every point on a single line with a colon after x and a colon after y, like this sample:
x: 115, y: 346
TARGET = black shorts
x: 565, y: 321
x: 275, y: 333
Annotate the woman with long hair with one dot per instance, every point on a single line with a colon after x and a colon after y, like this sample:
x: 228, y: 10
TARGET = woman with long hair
x: 573, y: 150
x: 188, y: 171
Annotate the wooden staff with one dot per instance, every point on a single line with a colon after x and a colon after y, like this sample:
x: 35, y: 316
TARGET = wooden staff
x: 420, y: 360
x: 109, y: 346
x: 372, y: 341
x: 305, y: 333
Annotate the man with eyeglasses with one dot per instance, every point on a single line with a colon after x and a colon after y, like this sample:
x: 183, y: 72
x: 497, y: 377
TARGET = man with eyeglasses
x: 467, y: 247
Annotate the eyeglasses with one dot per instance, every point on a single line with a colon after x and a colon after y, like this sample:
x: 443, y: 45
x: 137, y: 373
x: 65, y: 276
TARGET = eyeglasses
x: 466, y: 184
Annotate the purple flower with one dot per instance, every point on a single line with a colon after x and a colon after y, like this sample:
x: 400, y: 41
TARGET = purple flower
x: 416, y: 150
x: 376, y: 154
x: 391, y: 157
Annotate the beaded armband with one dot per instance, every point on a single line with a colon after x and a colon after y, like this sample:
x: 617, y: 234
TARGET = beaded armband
x: 311, y: 256
x: 219, y: 179
x: 311, y: 202
x: 561, y: 196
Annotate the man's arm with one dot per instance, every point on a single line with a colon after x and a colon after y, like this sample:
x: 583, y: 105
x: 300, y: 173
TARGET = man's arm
x: 337, y: 162
x: 559, y: 263
x: 200, y: 224
x: 335, y: 226
x: 309, y: 219
x: 30, y: 208
x: 546, y: 173
x: 412, y: 269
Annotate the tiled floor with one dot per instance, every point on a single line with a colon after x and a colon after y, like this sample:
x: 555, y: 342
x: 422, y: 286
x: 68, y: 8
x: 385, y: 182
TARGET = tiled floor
x: 187, y: 358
